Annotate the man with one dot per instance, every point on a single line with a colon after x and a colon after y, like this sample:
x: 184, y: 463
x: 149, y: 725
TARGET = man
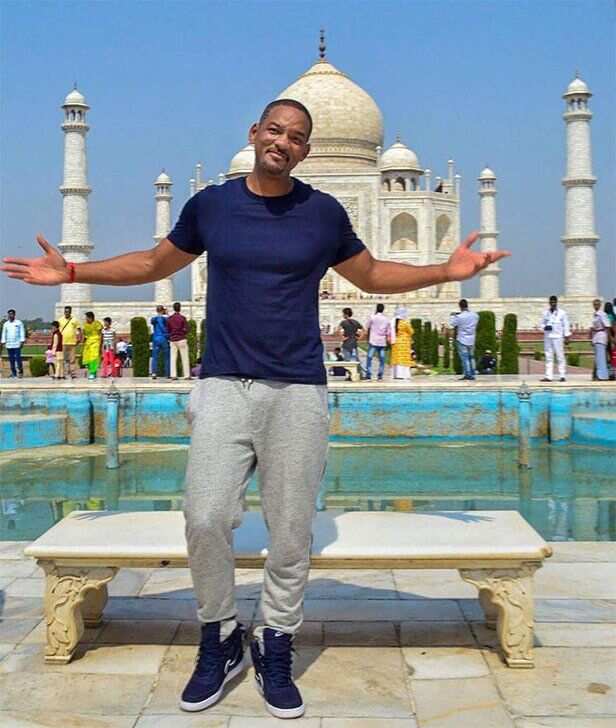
x: 350, y: 330
x: 262, y: 399
x: 160, y: 342
x: 13, y: 337
x: 177, y: 325
x: 336, y: 355
x: 487, y: 363
x: 556, y: 330
x: 378, y: 329
x: 465, y: 324
x: 599, y: 332
x: 71, y: 332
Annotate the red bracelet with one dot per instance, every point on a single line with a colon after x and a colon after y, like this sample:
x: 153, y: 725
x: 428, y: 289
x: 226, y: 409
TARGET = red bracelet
x: 71, y: 272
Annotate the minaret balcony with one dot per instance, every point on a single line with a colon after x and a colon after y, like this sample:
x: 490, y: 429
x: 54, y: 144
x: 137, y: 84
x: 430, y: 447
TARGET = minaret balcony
x: 577, y: 115
x: 75, y: 126
x: 573, y: 241
x: 578, y: 181
x: 75, y: 189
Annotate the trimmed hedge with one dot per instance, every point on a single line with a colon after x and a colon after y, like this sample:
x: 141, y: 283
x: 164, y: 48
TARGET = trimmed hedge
x: 447, y: 352
x: 573, y: 359
x: 140, y: 339
x: 193, y: 344
x: 203, y: 337
x: 38, y: 366
x: 510, y: 349
x: 434, y: 348
x: 416, y: 343
x: 426, y: 344
x: 486, y: 335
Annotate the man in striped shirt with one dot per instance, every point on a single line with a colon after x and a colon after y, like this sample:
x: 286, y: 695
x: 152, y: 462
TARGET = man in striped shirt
x: 13, y: 337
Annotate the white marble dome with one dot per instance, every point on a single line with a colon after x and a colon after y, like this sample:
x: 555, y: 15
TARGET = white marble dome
x: 577, y: 86
x: 163, y: 179
x: 348, y: 125
x: 74, y: 98
x: 399, y: 158
x: 487, y: 173
x: 242, y: 163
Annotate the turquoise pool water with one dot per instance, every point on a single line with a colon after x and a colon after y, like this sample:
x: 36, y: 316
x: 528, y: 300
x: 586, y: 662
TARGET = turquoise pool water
x: 569, y: 494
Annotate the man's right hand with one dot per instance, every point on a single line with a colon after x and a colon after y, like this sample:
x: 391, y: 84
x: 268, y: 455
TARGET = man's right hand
x: 48, y: 270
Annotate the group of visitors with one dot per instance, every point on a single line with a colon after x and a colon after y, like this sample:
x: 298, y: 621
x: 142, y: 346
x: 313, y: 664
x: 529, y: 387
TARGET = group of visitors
x: 169, y: 338
x: 397, y: 335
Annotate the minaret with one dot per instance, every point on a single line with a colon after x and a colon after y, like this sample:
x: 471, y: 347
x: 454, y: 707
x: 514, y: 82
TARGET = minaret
x: 75, y: 245
x: 488, y: 233
x: 580, y: 239
x: 163, y: 289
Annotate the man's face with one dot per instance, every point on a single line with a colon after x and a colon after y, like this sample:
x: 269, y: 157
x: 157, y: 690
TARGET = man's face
x: 67, y: 313
x: 281, y: 141
x: 596, y: 305
x: 11, y: 315
x: 553, y: 303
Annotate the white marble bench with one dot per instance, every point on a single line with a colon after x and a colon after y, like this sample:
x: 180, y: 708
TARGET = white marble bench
x: 352, y: 368
x: 497, y: 551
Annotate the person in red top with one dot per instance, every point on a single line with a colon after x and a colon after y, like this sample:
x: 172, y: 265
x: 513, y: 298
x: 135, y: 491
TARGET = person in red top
x: 177, y: 328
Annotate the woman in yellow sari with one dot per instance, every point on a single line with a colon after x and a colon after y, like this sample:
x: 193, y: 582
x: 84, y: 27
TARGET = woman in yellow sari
x: 91, y: 354
x: 401, y: 338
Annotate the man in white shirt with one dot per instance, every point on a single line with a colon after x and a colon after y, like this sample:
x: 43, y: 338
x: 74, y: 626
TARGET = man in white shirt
x: 465, y: 324
x: 599, y: 337
x: 556, y: 333
x: 13, y: 337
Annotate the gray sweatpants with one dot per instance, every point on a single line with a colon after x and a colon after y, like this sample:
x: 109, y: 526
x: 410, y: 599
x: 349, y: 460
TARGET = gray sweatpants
x: 281, y: 430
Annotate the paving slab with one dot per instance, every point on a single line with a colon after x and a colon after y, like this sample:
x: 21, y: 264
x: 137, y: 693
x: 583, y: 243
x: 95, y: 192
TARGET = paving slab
x: 138, y: 632
x: 562, y: 722
x: 366, y: 634
x: 467, y: 703
x: 13, y: 631
x: 39, y: 634
x: 565, y: 681
x: 592, y: 581
x: 432, y: 583
x: 351, y: 584
x: 33, y: 587
x: 444, y: 663
x: 52, y: 692
x: 555, y: 610
x: 381, y: 610
x: 435, y: 634
x: 21, y: 607
x: 577, y: 551
x: 18, y: 568
x: 368, y: 723
x: 12, y: 549
x: 270, y: 722
x: 198, y: 720
x: 128, y: 582
x: 43, y: 719
x: 310, y: 635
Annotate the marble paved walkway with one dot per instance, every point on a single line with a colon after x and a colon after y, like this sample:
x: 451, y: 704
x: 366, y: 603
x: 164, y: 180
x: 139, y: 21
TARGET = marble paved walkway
x: 379, y: 649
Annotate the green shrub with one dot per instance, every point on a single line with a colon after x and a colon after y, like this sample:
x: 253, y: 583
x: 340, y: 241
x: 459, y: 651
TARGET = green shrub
x: 38, y: 366
x: 140, y: 339
x: 416, y: 343
x: 434, y: 348
x: 426, y: 344
x: 203, y: 337
x: 538, y: 355
x: 510, y: 349
x: 457, y: 362
x: 447, y: 352
x: 486, y: 334
x: 573, y: 359
x: 193, y: 344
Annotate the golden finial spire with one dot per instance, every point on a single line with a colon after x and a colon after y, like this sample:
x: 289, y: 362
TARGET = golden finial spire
x: 322, y: 46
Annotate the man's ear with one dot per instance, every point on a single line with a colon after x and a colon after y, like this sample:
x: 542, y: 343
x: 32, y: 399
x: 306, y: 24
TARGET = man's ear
x: 252, y: 132
x: 306, y: 152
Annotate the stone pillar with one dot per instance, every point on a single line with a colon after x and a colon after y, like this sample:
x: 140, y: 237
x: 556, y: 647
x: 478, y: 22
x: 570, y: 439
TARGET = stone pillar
x: 75, y: 245
x: 488, y: 233
x: 163, y: 289
x: 580, y: 239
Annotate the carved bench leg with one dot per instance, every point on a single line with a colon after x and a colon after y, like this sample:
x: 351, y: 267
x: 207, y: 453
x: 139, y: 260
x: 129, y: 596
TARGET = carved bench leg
x: 67, y: 587
x: 510, y: 593
x: 490, y: 610
x: 93, y: 605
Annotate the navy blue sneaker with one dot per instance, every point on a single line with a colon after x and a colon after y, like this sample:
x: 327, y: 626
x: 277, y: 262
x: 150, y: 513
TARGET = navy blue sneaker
x: 273, y: 674
x: 217, y: 663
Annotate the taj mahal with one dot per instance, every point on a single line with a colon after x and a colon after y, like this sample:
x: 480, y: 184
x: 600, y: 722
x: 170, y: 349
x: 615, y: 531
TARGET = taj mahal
x: 402, y: 210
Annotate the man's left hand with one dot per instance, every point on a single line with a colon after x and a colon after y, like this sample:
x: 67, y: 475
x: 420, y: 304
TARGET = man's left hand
x: 465, y: 263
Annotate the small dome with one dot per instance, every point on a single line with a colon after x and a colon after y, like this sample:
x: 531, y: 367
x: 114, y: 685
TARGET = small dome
x: 399, y: 158
x: 577, y: 86
x: 74, y: 98
x: 163, y: 179
x: 242, y: 163
x: 487, y: 173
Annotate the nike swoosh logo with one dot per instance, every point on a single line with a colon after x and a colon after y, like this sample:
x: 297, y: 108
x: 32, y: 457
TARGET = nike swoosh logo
x: 228, y: 665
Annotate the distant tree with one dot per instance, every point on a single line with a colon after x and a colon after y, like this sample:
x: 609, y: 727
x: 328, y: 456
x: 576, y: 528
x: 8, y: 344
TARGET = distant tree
x: 416, y: 326
x: 510, y: 349
x: 426, y: 344
x: 434, y: 348
x: 486, y: 335
x: 446, y: 352
x: 203, y: 337
x: 193, y: 346
x: 140, y: 339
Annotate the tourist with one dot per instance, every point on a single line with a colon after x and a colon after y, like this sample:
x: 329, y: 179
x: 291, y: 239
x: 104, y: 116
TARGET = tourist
x: 487, y: 363
x: 91, y: 354
x: 599, y: 335
x: 465, y: 324
x: 109, y: 348
x: 71, y: 332
x: 556, y: 333
x: 351, y: 331
x: 378, y: 330
x: 122, y: 351
x: 50, y: 360
x: 401, y: 340
x: 13, y: 337
x: 336, y: 355
x: 262, y: 401
x: 160, y: 342
x: 56, y: 346
x: 611, y: 338
x: 177, y: 325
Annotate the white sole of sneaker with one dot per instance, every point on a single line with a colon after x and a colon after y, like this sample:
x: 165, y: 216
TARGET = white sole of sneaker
x: 196, y: 707
x: 281, y: 712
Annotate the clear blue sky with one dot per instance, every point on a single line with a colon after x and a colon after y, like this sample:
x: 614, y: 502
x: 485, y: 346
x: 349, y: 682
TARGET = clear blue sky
x: 173, y: 83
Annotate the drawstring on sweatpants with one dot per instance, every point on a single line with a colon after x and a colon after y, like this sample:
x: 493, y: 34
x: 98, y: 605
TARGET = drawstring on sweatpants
x: 246, y: 382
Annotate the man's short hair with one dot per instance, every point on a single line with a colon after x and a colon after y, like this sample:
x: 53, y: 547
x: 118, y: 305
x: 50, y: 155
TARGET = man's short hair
x: 106, y: 320
x: 553, y: 298
x: 55, y: 324
x: 68, y: 308
x: 11, y: 310
x: 463, y: 303
x: 160, y: 309
x: 380, y: 307
x: 90, y: 314
x: 287, y: 102
x: 347, y: 311
x: 177, y: 306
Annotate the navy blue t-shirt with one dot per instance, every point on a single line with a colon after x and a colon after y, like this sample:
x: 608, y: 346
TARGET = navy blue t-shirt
x: 266, y: 256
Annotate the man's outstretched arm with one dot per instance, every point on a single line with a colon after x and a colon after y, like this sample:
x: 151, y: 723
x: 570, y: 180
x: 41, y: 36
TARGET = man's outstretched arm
x: 142, y: 266
x: 380, y: 276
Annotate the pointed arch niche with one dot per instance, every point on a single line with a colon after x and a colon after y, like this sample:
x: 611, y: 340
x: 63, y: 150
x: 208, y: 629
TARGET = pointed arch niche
x: 403, y: 232
x: 444, y: 232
